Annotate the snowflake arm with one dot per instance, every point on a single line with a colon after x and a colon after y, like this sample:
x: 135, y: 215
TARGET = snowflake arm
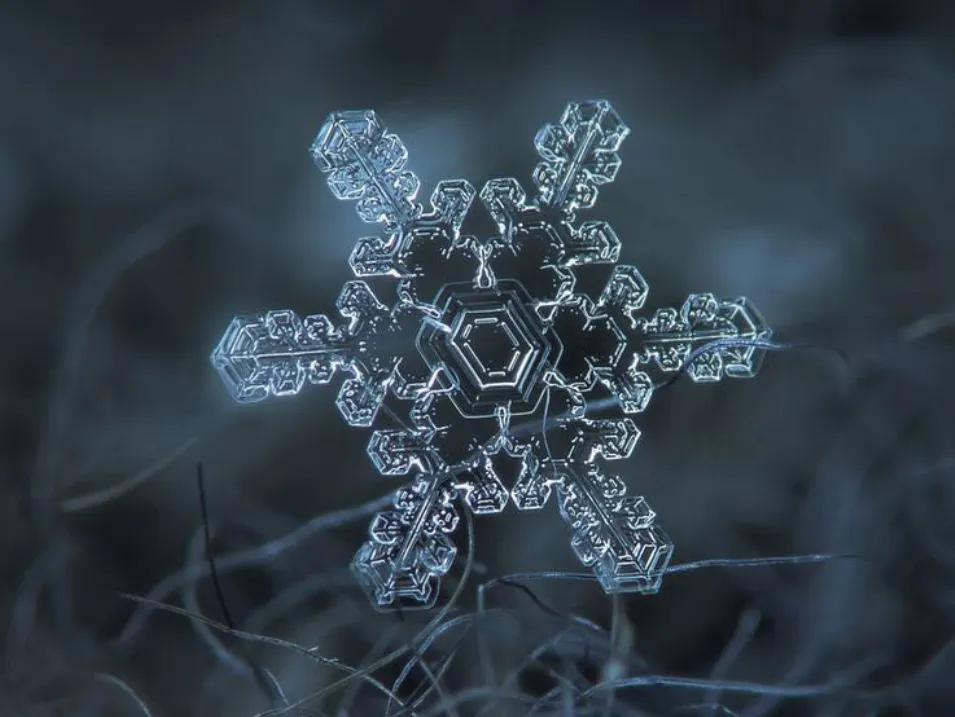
x: 578, y: 154
x: 612, y: 533
x: 409, y: 549
x: 708, y: 337
x: 366, y: 163
x: 275, y: 353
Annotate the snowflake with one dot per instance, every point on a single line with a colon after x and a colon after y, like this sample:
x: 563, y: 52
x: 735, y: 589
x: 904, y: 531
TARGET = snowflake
x: 514, y: 385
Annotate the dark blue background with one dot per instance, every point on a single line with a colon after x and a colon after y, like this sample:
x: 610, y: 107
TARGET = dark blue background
x: 154, y: 180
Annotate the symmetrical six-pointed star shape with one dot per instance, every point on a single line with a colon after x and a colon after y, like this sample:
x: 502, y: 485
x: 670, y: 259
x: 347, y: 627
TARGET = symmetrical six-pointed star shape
x: 508, y: 383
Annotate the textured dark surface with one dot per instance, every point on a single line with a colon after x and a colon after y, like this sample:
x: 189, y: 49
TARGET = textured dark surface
x: 154, y: 181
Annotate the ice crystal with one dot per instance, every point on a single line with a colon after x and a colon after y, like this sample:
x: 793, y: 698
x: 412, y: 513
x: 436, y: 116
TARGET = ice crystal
x: 513, y: 384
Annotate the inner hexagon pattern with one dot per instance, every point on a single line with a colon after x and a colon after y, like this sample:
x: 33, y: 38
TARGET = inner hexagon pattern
x: 486, y: 341
x: 487, y: 375
x: 489, y: 348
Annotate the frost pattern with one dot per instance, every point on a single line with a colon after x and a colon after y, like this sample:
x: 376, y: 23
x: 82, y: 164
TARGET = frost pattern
x: 509, y: 384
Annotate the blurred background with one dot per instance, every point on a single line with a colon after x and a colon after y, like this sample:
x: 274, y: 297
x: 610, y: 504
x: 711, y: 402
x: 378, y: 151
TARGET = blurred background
x: 155, y: 181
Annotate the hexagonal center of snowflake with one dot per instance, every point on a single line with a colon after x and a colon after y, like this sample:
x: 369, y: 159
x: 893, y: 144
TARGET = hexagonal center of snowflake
x: 492, y: 348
